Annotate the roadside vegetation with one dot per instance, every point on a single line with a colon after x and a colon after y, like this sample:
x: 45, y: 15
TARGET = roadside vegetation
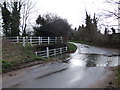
x: 71, y: 47
x: 15, y: 56
x: 116, y: 80
x: 82, y: 42
x: 89, y: 34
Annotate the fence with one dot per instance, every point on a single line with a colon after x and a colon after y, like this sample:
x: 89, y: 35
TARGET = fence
x: 36, y: 40
x: 51, y: 52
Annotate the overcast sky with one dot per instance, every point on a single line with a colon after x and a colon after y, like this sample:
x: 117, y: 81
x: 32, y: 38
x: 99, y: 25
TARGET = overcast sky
x: 72, y: 10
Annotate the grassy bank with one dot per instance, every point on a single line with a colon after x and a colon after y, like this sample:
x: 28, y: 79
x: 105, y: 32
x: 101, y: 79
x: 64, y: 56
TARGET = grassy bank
x: 82, y: 42
x: 15, y: 56
x: 115, y: 46
x: 116, y: 81
x: 71, y: 47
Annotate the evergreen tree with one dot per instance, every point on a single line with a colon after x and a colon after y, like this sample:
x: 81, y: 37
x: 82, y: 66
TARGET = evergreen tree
x: 11, y: 19
x: 75, y: 29
x: 95, y: 23
x: 88, y: 27
x: 113, y: 30
x: 106, y: 31
x: 6, y: 16
x: 15, y: 17
x: 88, y: 21
x: 52, y: 25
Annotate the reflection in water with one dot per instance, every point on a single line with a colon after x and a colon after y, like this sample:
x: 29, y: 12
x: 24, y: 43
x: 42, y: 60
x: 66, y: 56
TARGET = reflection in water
x: 61, y: 57
x: 87, y: 59
x: 91, y: 60
x: 76, y: 62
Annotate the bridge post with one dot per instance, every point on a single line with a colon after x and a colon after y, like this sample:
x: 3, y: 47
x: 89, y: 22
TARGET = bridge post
x: 54, y: 52
x: 39, y: 41
x: 47, y: 52
x: 31, y: 40
x: 17, y: 39
x: 66, y: 48
x: 48, y: 40
x: 60, y: 50
x: 55, y: 39
x: 24, y: 42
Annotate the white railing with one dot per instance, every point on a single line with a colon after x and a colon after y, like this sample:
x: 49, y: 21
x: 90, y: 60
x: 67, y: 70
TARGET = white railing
x: 51, y: 52
x: 36, y: 40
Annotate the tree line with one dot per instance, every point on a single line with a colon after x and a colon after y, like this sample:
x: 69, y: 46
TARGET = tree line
x: 11, y: 18
x: 15, y: 14
x: 89, y: 33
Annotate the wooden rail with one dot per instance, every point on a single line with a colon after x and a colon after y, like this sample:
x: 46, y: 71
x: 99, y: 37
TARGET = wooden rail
x: 51, y: 52
x: 36, y: 40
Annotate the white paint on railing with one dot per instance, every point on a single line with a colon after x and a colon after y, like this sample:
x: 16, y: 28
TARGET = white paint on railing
x: 51, y: 52
x: 48, y: 40
x: 24, y: 42
x: 39, y: 40
x: 26, y: 39
x: 66, y: 48
x: 55, y: 39
x: 31, y: 40
x: 47, y: 52
x: 17, y: 39
x: 36, y: 40
x: 60, y: 50
x: 36, y: 53
x: 55, y: 52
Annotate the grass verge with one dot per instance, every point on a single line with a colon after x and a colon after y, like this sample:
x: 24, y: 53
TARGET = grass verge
x: 116, y: 80
x: 82, y: 42
x: 71, y: 47
x: 15, y: 56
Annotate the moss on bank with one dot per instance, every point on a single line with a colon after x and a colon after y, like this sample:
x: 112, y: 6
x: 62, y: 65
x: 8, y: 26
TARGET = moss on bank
x: 82, y: 42
x: 116, y: 80
x: 71, y: 47
x: 14, y: 56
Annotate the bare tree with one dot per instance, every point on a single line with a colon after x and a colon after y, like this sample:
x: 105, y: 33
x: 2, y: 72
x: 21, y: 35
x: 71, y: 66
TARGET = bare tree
x: 113, y: 13
x: 27, y: 9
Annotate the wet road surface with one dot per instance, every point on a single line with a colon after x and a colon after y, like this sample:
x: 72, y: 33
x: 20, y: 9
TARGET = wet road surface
x: 85, y: 67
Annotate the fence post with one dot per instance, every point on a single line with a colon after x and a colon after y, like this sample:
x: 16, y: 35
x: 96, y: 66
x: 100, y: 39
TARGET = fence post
x: 55, y: 39
x: 66, y: 48
x: 17, y: 39
x: 55, y: 52
x: 47, y: 52
x: 39, y: 40
x: 31, y: 40
x: 36, y: 53
x: 23, y: 41
x: 48, y: 40
x: 61, y: 39
x: 26, y: 39
x: 60, y: 50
